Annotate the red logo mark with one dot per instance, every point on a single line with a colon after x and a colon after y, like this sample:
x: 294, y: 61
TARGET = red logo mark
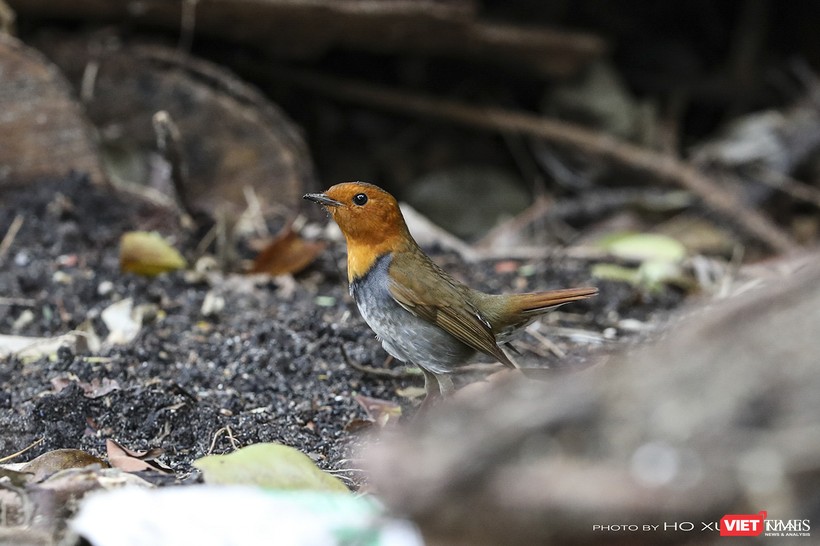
x: 742, y: 525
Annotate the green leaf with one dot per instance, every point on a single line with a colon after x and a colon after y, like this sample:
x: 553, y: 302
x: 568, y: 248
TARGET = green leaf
x: 654, y: 273
x: 644, y: 247
x: 659, y: 259
x: 651, y: 274
x: 270, y: 465
x: 612, y: 272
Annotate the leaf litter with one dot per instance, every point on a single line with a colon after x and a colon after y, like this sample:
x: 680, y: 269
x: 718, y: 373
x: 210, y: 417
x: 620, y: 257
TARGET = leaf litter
x: 265, y: 362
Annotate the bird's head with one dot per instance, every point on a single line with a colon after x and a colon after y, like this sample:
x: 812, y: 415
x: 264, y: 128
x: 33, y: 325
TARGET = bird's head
x: 369, y: 218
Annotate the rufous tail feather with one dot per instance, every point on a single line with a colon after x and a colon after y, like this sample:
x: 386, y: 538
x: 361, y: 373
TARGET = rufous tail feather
x: 534, y: 303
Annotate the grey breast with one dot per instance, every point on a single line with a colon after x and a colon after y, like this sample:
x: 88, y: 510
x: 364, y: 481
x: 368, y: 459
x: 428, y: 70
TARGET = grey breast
x: 404, y: 335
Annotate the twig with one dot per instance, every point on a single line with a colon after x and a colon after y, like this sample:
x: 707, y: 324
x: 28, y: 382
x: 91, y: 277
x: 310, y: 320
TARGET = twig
x: 253, y: 212
x: 151, y: 195
x: 169, y: 144
x: 89, y: 80
x: 206, y: 241
x: 340, y: 474
x: 558, y: 169
x: 578, y: 335
x: 787, y: 184
x: 357, y: 460
x: 226, y: 254
x: 187, y: 25
x: 11, y: 234
x: 338, y: 471
x: 594, y: 203
x: 34, y: 444
x: 498, y: 235
x: 481, y: 367
x: 749, y: 40
x: 661, y: 167
x: 380, y: 372
x: 7, y: 19
x: 532, y: 330
x: 540, y: 252
x: 224, y: 430
x: 23, y: 302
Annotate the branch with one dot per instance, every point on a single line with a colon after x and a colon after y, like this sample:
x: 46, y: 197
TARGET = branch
x: 663, y: 168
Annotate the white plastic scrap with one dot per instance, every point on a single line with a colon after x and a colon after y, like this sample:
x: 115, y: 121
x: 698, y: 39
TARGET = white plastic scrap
x: 236, y: 516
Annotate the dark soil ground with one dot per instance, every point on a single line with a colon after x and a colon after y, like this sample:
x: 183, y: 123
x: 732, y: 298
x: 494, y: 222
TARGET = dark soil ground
x: 273, y: 365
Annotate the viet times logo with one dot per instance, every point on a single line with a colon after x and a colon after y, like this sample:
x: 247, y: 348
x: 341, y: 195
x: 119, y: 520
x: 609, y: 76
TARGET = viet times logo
x: 742, y: 525
x: 730, y: 525
x: 752, y: 525
x: 787, y: 528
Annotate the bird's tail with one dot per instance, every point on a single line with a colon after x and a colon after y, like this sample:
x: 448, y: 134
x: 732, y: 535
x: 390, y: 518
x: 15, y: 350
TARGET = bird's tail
x: 535, y: 303
x: 511, y: 312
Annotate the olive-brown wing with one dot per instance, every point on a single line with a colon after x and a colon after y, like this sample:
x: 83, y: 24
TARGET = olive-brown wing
x: 422, y: 288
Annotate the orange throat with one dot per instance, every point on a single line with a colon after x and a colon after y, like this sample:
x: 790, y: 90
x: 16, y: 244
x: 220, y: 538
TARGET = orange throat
x: 362, y: 257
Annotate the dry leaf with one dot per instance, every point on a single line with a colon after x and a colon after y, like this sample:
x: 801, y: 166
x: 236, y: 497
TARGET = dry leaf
x: 123, y: 321
x: 94, y: 389
x: 32, y: 348
x: 52, y: 462
x: 382, y: 412
x: 359, y: 425
x: 212, y: 305
x: 89, y: 341
x: 130, y: 460
x: 411, y: 392
x: 147, y: 253
x: 287, y: 253
x: 100, y: 387
x: 15, y: 477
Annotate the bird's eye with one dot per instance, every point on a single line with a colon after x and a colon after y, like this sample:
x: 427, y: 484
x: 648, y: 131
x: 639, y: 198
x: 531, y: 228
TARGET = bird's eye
x: 359, y: 199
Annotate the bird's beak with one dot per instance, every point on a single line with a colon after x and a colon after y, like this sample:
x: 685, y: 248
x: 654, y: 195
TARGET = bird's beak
x: 322, y: 199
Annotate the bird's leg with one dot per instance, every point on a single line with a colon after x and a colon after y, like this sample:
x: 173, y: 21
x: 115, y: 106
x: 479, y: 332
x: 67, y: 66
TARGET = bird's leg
x: 431, y: 385
x: 445, y: 385
x: 437, y: 386
x: 433, y: 389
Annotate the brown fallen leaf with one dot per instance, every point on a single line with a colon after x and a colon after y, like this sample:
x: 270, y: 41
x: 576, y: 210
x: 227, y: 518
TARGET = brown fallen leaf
x: 287, y: 253
x: 359, y: 425
x: 54, y: 461
x: 381, y: 412
x: 130, y: 460
x: 94, y: 389
x: 15, y: 477
x: 100, y: 387
x: 55, y: 499
x: 147, y: 253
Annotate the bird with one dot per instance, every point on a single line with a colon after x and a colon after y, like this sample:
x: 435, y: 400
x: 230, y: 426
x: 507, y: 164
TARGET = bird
x: 421, y: 314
